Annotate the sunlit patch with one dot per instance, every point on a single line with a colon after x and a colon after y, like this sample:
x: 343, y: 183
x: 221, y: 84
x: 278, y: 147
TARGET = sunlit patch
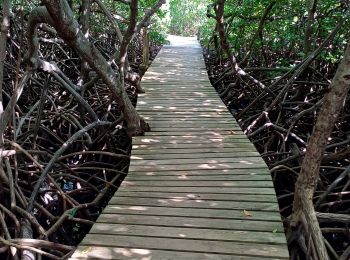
x: 177, y: 199
x: 246, y: 162
x: 148, y: 140
x: 140, y: 251
x: 138, y: 208
x: 133, y: 157
x: 122, y: 251
x: 206, y: 166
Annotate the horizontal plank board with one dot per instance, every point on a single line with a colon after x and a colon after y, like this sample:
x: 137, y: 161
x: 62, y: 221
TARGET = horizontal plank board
x: 189, y: 233
x: 152, y: 156
x: 196, y: 196
x: 189, y: 167
x: 205, y: 172
x: 172, y: 176
x: 190, y: 190
x: 192, y: 146
x: 213, y: 150
x: 247, y: 160
x: 189, y: 245
x: 199, y: 133
x: 197, y: 183
x: 209, y: 214
x: 129, y: 253
x: 199, y: 203
x: 187, y: 140
x: 224, y: 224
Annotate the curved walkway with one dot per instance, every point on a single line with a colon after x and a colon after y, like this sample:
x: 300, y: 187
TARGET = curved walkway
x: 197, y: 188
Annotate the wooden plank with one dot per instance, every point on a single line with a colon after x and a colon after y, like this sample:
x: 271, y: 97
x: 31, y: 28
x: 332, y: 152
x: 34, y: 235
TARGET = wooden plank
x: 190, y: 190
x: 195, y: 196
x: 197, y: 183
x: 154, y: 156
x: 209, y: 214
x: 189, y: 138
x: 189, y: 245
x: 203, y: 166
x: 213, y: 150
x: 192, y: 125
x: 192, y: 146
x: 251, y: 160
x: 206, y: 172
x: 234, y: 130
x: 136, y: 253
x: 199, y: 175
x: 194, y: 204
x: 189, y: 233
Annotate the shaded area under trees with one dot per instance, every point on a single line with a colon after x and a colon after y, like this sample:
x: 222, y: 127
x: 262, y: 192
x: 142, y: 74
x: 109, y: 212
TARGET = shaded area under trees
x: 71, y: 73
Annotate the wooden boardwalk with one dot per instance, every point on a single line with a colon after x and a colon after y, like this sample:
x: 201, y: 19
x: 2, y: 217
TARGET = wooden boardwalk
x: 197, y: 188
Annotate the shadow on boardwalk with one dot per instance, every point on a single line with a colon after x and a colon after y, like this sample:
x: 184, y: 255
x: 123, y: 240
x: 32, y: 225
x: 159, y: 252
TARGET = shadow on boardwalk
x: 197, y: 188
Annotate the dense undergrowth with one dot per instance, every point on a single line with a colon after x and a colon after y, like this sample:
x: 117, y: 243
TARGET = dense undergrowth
x: 54, y: 131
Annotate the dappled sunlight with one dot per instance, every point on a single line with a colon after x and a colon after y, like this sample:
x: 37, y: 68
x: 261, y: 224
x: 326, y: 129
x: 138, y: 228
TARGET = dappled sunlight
x: 193, y: 177
x: 113, y: 252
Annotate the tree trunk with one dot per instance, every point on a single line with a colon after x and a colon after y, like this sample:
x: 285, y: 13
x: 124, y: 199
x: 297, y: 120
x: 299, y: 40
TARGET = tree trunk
x: 5, y: 25
x: 258, y: 31
x: 309, y: 26
x: 59, y: 15
x: 303, y: 208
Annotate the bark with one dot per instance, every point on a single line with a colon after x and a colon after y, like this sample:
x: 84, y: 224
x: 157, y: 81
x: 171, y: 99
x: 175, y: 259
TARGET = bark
x: 309, y: 26
x: 258, y: 31
x: 145, y: 54
x: 127, y: 39
x: 303, y: 207
x: 220, y: 26
x: 111, y: 19
x: 5, y: 25
x: 85, y: 24
x: 59, y: 15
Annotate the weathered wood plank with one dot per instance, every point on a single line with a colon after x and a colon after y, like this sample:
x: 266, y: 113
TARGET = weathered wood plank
x: 199, y: 133
x: 246, y: 160
x: 197, y: 183
x: 188, y: 233
x: 208, y: 214
x: 189, y: 245
x: 200, y: 154
x: 129, y: 253
x: 235, y: 173
x: 192, y: 146
x: 190, y: 190
x: 198, y: 203
x: 189, y: 167
x: 154, y: 150
x: 201, y: 196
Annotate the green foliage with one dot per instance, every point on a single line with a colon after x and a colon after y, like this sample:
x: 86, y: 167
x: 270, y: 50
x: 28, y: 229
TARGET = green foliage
x: 186, y: 16
x: 157, y: 33
x: 284, y: 28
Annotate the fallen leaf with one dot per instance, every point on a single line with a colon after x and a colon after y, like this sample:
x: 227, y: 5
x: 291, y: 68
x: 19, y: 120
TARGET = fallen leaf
x: 247, y: 213
x: 275, y: 230
x: 232, y: 132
